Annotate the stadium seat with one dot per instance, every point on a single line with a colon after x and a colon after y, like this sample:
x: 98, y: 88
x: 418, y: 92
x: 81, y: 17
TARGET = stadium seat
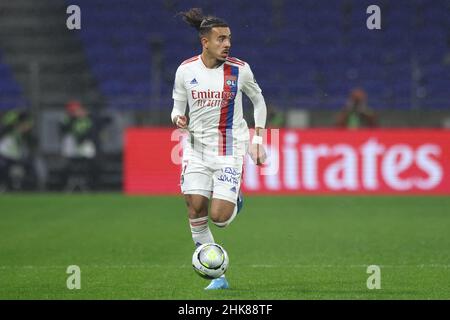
x: 294, y: 47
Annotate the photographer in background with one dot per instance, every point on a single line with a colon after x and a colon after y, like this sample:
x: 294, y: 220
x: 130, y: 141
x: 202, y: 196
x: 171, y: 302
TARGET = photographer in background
x: 356, y: 113
x: 16, y: 143
x: 78, y: 148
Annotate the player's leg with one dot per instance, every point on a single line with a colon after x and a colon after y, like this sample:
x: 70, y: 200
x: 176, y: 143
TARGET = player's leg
x: 226, y: 188
x: 222, y: 212
x: 196, y: 185
x: 197, y: 204
x: 197, y: 201
x: 227, y: 197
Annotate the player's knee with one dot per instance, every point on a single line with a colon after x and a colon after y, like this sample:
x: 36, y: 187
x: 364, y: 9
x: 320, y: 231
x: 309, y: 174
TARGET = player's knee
x: 197, y: 212
x: 221, y: 224
x: 221, y: 218
x: 196, y: 208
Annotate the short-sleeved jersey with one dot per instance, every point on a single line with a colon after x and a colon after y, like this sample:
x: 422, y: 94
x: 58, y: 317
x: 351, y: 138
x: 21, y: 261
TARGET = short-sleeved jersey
x: 214, y: 96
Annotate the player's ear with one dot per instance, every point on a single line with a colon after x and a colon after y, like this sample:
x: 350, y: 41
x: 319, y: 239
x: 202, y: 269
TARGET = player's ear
x: 204, y: 41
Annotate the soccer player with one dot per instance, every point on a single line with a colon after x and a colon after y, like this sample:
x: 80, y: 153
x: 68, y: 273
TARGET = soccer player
x: 212, y: 84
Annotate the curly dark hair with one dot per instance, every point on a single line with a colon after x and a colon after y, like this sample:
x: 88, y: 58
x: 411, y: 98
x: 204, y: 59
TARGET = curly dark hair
x: 196, y: 19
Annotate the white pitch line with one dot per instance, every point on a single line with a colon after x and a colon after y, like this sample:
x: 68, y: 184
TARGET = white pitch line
x: 444, y: 266
x: 350, y: 266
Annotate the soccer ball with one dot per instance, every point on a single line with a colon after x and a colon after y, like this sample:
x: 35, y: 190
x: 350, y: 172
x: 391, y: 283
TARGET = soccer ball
x: 210, y: 260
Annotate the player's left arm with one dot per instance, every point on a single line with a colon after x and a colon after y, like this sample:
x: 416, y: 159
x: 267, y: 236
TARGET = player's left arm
x: 254, y: 92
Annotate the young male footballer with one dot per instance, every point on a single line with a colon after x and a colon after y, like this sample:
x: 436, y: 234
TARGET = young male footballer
x: 212, y: 84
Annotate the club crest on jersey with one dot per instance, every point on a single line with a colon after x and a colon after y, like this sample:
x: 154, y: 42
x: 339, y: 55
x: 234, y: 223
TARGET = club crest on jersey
x: 231, y: 81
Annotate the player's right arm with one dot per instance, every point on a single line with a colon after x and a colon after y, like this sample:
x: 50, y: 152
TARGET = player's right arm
x: 178, y: 114
x: 179, y: 96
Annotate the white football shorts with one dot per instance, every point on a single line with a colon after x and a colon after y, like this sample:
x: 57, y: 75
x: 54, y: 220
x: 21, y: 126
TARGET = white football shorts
x: 216, y: 176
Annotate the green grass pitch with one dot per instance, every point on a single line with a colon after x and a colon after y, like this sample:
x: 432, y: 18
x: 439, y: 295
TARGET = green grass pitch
x: 283, y: 247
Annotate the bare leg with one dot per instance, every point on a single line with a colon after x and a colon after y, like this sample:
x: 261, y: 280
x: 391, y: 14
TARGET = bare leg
x: 197, y: 205
x: 222, y: 212
x: 198, y: 218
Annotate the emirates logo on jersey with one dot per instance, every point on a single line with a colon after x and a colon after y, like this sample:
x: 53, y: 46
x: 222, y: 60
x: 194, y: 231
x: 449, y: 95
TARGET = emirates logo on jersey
x: 212, y: 98
x: 210, y: 94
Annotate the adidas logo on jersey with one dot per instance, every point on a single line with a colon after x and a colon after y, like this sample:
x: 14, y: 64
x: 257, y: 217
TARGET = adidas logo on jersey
x: 193, y: 81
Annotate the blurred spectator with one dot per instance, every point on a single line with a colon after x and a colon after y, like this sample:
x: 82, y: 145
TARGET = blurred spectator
x: 78, y: 148
x: 16, y: 142
x: 275, y: 118
x: 356, y: 113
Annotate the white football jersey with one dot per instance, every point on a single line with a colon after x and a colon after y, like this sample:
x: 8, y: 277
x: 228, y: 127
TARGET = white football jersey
x: 214, y: 96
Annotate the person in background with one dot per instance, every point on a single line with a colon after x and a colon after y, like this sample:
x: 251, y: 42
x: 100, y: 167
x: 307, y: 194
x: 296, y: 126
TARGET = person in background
x: 78, y: 147
x: 275, y: 117
x: 356, y: 113
x: 16, y: 143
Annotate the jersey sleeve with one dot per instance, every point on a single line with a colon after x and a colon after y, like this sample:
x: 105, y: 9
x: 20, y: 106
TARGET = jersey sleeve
x: 179, y: 91
x: 249, y: 85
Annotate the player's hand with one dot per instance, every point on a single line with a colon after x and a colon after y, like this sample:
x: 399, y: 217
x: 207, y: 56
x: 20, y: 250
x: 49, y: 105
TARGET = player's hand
x: 258, y: 154
x: 181, y: 122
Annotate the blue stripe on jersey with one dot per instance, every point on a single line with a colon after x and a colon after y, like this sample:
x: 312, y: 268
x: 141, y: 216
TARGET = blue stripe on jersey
x: 230, y: 114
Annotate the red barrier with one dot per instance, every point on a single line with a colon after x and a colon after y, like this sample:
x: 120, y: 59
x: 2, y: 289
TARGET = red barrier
x: 148, y: 168
x: 314, y: 161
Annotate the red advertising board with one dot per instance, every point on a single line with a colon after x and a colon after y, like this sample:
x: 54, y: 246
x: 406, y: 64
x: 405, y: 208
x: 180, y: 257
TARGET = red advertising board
x: 314, y: 161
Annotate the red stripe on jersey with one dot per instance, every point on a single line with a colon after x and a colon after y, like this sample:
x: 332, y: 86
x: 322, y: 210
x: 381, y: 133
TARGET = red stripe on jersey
x: 236, y: 61
x: 223, y: 113
x: 190, y: 60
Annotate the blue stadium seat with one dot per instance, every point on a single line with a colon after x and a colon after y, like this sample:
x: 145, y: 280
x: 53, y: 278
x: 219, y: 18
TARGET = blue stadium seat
x: 11, y: 95
x: 297, y: 49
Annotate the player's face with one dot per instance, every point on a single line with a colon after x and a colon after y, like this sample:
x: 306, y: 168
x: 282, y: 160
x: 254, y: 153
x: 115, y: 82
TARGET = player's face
x: 219, y: 43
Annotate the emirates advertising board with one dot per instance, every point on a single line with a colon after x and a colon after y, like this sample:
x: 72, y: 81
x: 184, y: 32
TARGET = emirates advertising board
x: 313, y: 161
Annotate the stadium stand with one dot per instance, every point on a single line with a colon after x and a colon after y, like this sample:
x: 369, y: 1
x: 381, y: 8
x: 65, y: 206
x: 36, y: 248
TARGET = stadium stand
x: 304, y: 54
x: 47, y: 60
x: 10, y: 90
x: 326, y: 49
